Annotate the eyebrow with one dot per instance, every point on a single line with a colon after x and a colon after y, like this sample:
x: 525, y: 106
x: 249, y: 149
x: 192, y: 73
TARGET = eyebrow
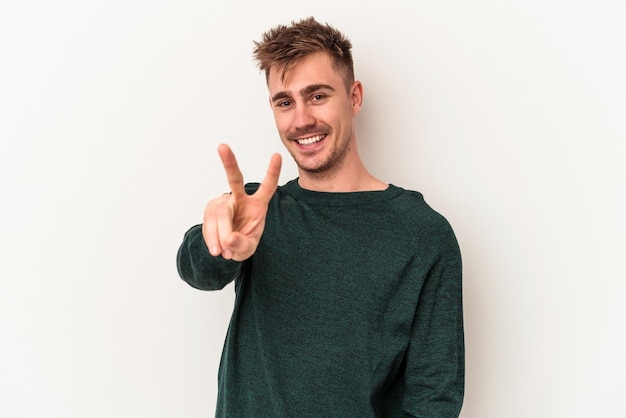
x: 304, y: 92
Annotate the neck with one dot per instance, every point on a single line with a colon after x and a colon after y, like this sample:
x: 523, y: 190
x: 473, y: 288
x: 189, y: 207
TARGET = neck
x: 352, y: 177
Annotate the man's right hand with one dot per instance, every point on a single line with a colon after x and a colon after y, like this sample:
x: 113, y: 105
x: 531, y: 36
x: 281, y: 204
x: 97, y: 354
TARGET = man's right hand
x: 234, y: 222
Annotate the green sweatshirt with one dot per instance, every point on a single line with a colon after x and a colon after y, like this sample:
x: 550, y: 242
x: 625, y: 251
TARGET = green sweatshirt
x: 351, y: 306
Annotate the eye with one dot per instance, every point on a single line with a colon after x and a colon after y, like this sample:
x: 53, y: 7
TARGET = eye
x: 317, y: 97
x: 283, y: 103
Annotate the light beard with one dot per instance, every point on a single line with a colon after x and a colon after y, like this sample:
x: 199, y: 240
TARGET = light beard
x: 327, y: 168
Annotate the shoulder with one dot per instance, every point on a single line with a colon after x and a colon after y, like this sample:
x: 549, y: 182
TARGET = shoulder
x: 413, y: 203
x: 420, y: 218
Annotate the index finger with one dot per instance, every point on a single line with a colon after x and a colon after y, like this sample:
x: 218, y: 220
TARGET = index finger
x: 233, y: 174
x: 270, y: 182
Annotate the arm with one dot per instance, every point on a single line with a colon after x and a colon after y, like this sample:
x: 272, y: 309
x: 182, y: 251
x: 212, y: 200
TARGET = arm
x: 435, y: 363
x: 199, y: 268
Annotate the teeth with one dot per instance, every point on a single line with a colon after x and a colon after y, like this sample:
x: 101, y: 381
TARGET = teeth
x: 311, y: 140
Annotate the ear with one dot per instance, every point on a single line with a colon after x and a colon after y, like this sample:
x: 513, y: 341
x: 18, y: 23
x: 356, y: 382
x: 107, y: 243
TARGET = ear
x: 356, y: 96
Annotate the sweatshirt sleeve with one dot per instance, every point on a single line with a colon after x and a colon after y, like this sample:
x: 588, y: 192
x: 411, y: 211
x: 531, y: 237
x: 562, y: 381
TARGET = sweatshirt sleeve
x: 435, y: 362
x: 199, y: 268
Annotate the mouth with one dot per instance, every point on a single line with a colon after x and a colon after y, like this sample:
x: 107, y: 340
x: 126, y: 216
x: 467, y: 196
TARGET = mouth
x: 310, y: 140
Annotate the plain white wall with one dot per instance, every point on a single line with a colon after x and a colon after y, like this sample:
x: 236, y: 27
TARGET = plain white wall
x: 507, y: 115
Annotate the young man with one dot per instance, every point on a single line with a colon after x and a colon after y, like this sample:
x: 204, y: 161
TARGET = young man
x: 348, y: 289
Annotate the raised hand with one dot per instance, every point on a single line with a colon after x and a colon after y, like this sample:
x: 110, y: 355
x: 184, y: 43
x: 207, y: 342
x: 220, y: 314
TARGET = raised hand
x: 234, y: 222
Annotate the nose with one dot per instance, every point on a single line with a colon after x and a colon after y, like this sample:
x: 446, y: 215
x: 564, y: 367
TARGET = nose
x: 303, y: 117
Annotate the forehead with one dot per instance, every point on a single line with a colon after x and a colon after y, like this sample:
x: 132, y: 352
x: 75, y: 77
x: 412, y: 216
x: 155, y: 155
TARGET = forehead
x: 315, y: 68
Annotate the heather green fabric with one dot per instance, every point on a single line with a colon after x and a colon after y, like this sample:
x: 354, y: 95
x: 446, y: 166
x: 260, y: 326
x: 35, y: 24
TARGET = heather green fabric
x: 350, y: 307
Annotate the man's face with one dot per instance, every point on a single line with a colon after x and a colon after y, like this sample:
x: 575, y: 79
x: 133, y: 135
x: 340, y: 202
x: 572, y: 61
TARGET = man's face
x: 314, y: 113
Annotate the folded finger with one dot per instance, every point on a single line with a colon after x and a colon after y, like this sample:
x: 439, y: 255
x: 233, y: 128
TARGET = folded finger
x: 210, y: 234
x: 224, y: 226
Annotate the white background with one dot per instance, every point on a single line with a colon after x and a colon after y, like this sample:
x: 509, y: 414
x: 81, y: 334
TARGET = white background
x: 508, y: 115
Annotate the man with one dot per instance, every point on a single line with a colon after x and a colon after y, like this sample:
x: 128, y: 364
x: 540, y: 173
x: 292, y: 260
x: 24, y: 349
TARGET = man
x: 348, y: 289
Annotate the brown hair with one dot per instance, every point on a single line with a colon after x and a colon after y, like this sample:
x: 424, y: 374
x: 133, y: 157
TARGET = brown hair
x: 283, y: 46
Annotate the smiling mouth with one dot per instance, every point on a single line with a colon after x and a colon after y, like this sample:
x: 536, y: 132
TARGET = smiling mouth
x: 310, y: 140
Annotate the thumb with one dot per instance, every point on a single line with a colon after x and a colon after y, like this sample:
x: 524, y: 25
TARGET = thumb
x: 240, y: 247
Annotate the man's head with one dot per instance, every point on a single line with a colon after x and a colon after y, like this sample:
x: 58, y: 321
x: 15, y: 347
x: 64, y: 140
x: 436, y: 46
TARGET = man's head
x: 283, y: 46
x: 314, y: 97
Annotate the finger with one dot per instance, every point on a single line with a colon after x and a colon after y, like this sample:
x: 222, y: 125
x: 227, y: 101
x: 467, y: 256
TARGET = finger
x: 209, y: 232
x: 224, y: 225
x: 233, y: 174
x: 270, y: 182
